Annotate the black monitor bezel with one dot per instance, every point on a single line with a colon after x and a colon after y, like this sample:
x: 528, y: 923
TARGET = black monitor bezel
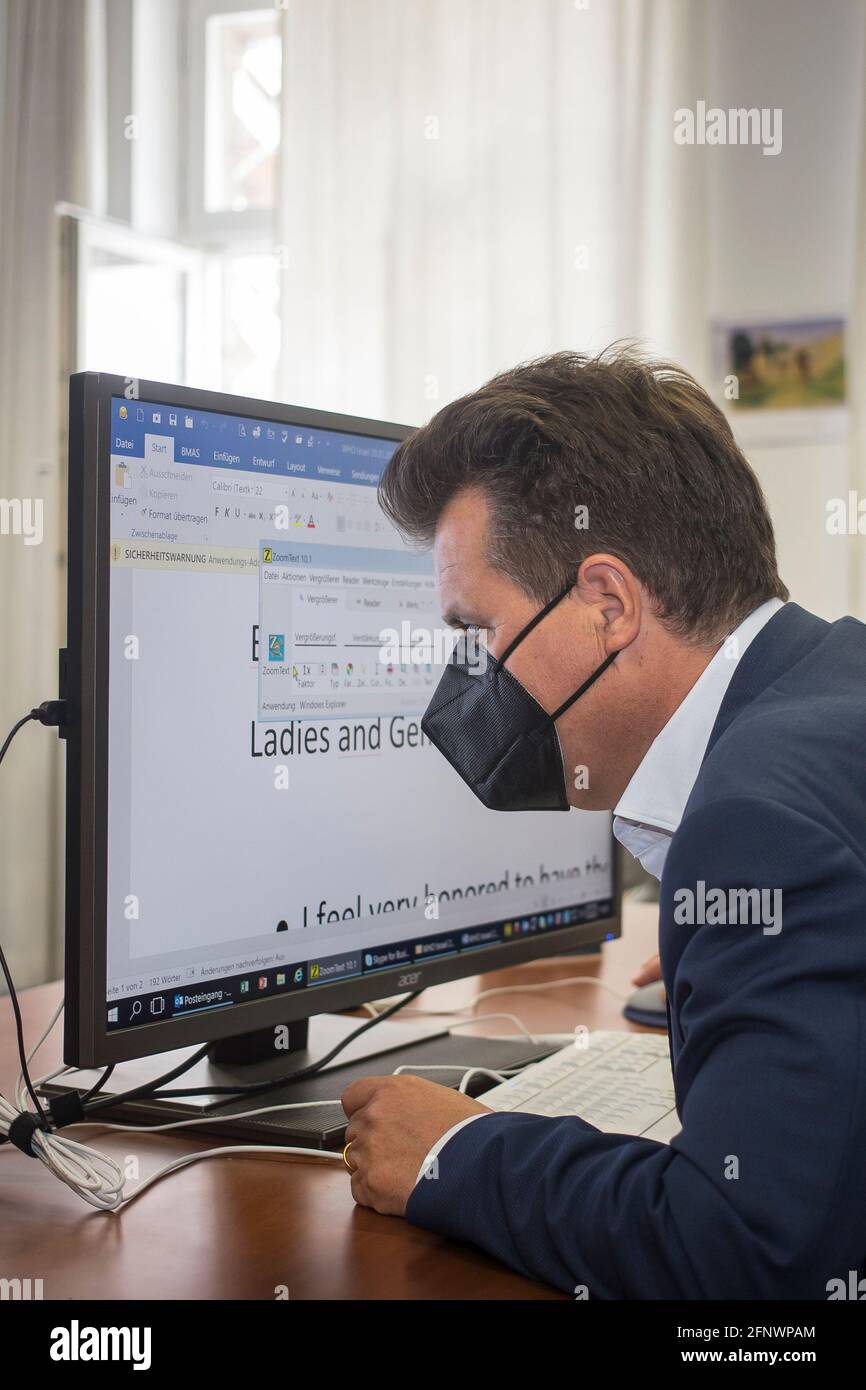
x: 87, y: 1039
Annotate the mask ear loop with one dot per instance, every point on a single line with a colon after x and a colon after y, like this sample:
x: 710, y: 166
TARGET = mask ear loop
x: 533, y: 622
x: 590, y: 680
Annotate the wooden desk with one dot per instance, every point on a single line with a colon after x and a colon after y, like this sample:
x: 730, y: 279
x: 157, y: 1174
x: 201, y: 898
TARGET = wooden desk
x: 237, y: 1228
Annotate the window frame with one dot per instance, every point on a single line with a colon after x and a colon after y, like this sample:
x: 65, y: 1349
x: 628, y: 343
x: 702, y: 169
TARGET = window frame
x: 253, y: 228
x: 82, y: 232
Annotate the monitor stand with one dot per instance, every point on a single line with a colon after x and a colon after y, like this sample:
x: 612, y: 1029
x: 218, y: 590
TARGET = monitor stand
x: 250, y: 1059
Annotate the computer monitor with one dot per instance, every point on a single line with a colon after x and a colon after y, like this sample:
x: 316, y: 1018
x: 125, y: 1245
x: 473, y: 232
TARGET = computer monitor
x: 257, y: 829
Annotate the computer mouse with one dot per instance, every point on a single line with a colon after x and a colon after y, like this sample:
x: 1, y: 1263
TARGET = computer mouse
x: 647, y: 1005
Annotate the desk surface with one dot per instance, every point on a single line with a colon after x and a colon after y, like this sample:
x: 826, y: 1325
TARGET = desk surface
x: 238, y: 1228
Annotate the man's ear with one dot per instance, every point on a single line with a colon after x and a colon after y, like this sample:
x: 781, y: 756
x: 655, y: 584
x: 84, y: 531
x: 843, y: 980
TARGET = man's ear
x: 607, y: 585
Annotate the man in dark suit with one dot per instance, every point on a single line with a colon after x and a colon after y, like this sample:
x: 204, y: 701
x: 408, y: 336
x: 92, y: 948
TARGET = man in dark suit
x: 595, y: 524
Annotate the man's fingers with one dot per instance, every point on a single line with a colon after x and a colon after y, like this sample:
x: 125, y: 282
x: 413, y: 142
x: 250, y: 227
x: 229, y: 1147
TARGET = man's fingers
x: 350, y: 1133
x: 358, y: 1093
x: 359, y: 1178
x: 359, y: 1191
x: 650, y: 971
x: 352, y: 1155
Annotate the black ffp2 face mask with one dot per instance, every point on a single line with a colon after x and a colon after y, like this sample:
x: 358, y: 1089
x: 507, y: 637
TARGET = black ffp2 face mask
x: 502, y: 742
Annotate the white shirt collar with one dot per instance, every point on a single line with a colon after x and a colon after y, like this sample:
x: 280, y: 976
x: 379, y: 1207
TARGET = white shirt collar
x: 652, y: 805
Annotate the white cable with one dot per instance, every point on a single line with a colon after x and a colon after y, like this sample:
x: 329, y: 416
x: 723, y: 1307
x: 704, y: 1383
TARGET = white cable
x: 260, y: 1149
x: 92, y: 1175
x: 100, y: 1181
x: 205, y: 1120
x: 118, y: 1128
x: 485, y: 1018
x: 95, y: 1177
x: 543, y: 988
x: 546, y: 985
x: 449, y: 1066
x: 42, y: 1081
x: 20, y: 1087
x: 231, y: 1152
x: 485, y: 1071
x: 467, y: 1075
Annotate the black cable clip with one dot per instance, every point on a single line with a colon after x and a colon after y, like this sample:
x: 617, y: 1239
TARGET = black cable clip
x: 67, y: 1109
x: 22, y: 1130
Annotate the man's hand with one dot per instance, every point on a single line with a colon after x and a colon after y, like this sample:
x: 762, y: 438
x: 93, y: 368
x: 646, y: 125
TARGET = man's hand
x: 394, y: 1121
x: 650, y: 971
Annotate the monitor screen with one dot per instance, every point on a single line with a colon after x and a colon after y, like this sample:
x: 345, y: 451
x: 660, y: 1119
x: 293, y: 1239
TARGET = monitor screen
x: 276, y: 821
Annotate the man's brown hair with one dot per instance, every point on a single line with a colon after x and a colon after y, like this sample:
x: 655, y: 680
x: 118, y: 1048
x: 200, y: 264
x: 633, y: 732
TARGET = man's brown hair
x: 638, y: 444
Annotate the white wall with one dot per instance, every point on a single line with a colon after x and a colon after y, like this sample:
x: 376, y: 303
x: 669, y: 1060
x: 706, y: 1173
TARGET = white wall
x: 555, y: 128
x: 782, y: 235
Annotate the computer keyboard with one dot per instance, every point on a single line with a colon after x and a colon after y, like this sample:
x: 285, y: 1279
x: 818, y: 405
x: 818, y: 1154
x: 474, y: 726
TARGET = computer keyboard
x: 619, y: 1082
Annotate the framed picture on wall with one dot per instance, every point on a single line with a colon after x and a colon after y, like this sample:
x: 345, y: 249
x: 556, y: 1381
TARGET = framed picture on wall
x: 782, y: 380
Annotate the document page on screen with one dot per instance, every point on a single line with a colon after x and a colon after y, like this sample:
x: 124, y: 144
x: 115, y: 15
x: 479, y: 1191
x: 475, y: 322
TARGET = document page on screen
x: 277, y: 820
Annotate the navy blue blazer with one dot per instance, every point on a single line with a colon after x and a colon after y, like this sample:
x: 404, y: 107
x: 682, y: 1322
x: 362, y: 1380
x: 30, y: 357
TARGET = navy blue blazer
x: 763, y: 1193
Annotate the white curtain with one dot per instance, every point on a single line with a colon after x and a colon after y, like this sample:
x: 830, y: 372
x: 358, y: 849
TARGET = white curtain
x: 468, y: 183
x: 42, y: 159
